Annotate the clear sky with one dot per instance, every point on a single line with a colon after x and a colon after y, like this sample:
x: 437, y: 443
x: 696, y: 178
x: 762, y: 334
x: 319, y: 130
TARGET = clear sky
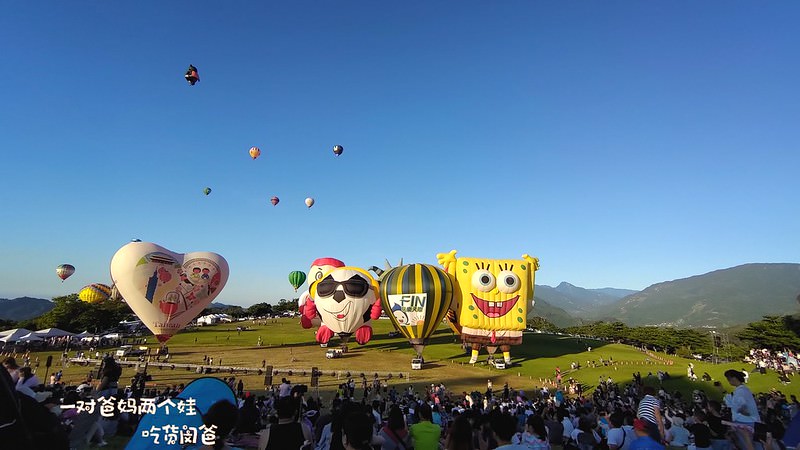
x: 624, y: 143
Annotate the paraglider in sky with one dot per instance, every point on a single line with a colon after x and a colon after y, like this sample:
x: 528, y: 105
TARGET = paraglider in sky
x: 338, y: 150
x: 167, y: 290
x: 491, y: 298
x: 274, y: 201
x: 309, y: 202
x: 346, y: 300
x: 297, y: 278
x: 207, y: 190
x: 416, y: 297
x: 191, y: 75
x: 255, y: 152
x: 94, y: 293
x: 65, y: 271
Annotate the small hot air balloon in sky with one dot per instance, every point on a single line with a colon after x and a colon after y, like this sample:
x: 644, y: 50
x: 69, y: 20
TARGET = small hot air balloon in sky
x: 255, y: 152
x: 191, y: 75
x: 274, y: 201
x: 297, y: 278
x: 207, y: 190
x: 337, y: 150
x: 64, y: 271
x: 309, y: 202
x: 94, y: 293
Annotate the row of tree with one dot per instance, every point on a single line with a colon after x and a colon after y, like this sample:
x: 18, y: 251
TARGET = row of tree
x: 772, y: 332
x: 72, y: 314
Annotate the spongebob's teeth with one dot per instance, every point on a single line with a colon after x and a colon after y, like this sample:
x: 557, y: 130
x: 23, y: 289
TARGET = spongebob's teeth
x: 491, y: 304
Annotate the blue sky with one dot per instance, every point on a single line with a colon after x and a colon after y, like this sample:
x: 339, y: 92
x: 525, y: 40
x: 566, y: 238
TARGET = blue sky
x: 623, y: 143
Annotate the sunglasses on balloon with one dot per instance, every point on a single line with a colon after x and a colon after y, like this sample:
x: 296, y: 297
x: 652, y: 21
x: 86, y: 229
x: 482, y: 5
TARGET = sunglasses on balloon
x: 356, y: 286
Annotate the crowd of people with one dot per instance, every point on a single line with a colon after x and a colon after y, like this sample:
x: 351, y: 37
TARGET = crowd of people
x: 783, y: 362
x: 374, y: 414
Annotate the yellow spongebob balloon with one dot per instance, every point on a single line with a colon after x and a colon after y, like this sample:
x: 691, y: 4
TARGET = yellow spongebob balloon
x: 491, y: 300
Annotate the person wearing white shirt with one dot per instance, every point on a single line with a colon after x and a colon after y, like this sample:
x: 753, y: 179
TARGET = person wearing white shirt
x: 619, y: 436
x: 567, y: 424
x: 285, y: 389
x: 677, y: 436
x: 27, y: 378
x: 743, y: 407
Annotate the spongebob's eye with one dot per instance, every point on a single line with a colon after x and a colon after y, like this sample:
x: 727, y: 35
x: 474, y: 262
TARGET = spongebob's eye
x: 508, y: 282
x: 483, y: 280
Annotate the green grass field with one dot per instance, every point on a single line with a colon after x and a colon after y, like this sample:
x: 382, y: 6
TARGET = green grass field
x: 288, y: 346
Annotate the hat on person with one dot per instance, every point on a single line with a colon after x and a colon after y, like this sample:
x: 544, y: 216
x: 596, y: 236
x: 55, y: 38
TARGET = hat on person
x: 639, y: 424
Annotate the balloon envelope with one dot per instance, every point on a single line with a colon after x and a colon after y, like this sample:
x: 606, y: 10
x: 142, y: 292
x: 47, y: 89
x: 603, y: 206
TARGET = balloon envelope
x: 416, y: 297
x: 207, y: 190
x: 65, y: 271
x: 94, y: 293
x: 167, y: 290
x: 297, y: 278
x: 309, y: 202
x: 255, y: 152
x: 274, y: 201
x: 338, y: 150
x: 343, y: 297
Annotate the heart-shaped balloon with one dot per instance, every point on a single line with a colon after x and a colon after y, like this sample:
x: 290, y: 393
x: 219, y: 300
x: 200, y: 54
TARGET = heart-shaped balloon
x: 167, y: 290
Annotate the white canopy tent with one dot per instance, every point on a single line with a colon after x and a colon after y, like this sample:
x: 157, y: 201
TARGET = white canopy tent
x: 30, y: 337
x: 53, y: 332
x: 84, y: 334
x: 14, y: 335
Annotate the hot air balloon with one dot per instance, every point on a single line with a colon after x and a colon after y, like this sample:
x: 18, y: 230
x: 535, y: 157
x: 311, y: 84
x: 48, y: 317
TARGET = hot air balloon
x: 274, y: 201
x: 319, y: 267
x: 255, y: 152
x: 309, y: 202
x: 416, y: 297
x: 297, y: 278
x: 338, y: 150
x: 94, y: 293
x: 491, y: 300
x: 65, y: 271
x: 191, y: 75
x: 167, y: 290
x: 346, y: 299
x: 207, y: 190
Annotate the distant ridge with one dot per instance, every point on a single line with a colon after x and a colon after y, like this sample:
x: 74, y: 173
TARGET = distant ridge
x: 721, y: 298
x: 578, y: 301
x: 23, y: 308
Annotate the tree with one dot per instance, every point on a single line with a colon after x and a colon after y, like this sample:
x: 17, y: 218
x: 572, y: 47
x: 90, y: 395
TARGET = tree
x: 285, y: 306
x: 540, y: 323
x: 260, y: 309
x: 773, y: 332
x: 72, y: 314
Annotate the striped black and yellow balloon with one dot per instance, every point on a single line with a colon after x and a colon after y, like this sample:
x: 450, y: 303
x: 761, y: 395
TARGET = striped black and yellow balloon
x: 416, y: 298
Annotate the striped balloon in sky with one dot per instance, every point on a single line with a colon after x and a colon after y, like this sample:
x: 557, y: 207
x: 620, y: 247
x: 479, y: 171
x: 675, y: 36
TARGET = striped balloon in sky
x: 416, y: 298
x: 94, y: 293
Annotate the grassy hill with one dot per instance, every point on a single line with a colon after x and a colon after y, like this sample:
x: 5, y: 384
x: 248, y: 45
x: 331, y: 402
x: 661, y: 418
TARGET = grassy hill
x: 553, y: 314
x: 722, y: 298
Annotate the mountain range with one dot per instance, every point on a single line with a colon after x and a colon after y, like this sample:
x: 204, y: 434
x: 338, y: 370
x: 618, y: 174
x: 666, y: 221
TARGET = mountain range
x: 721, y: 298
x: 22, y: 308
